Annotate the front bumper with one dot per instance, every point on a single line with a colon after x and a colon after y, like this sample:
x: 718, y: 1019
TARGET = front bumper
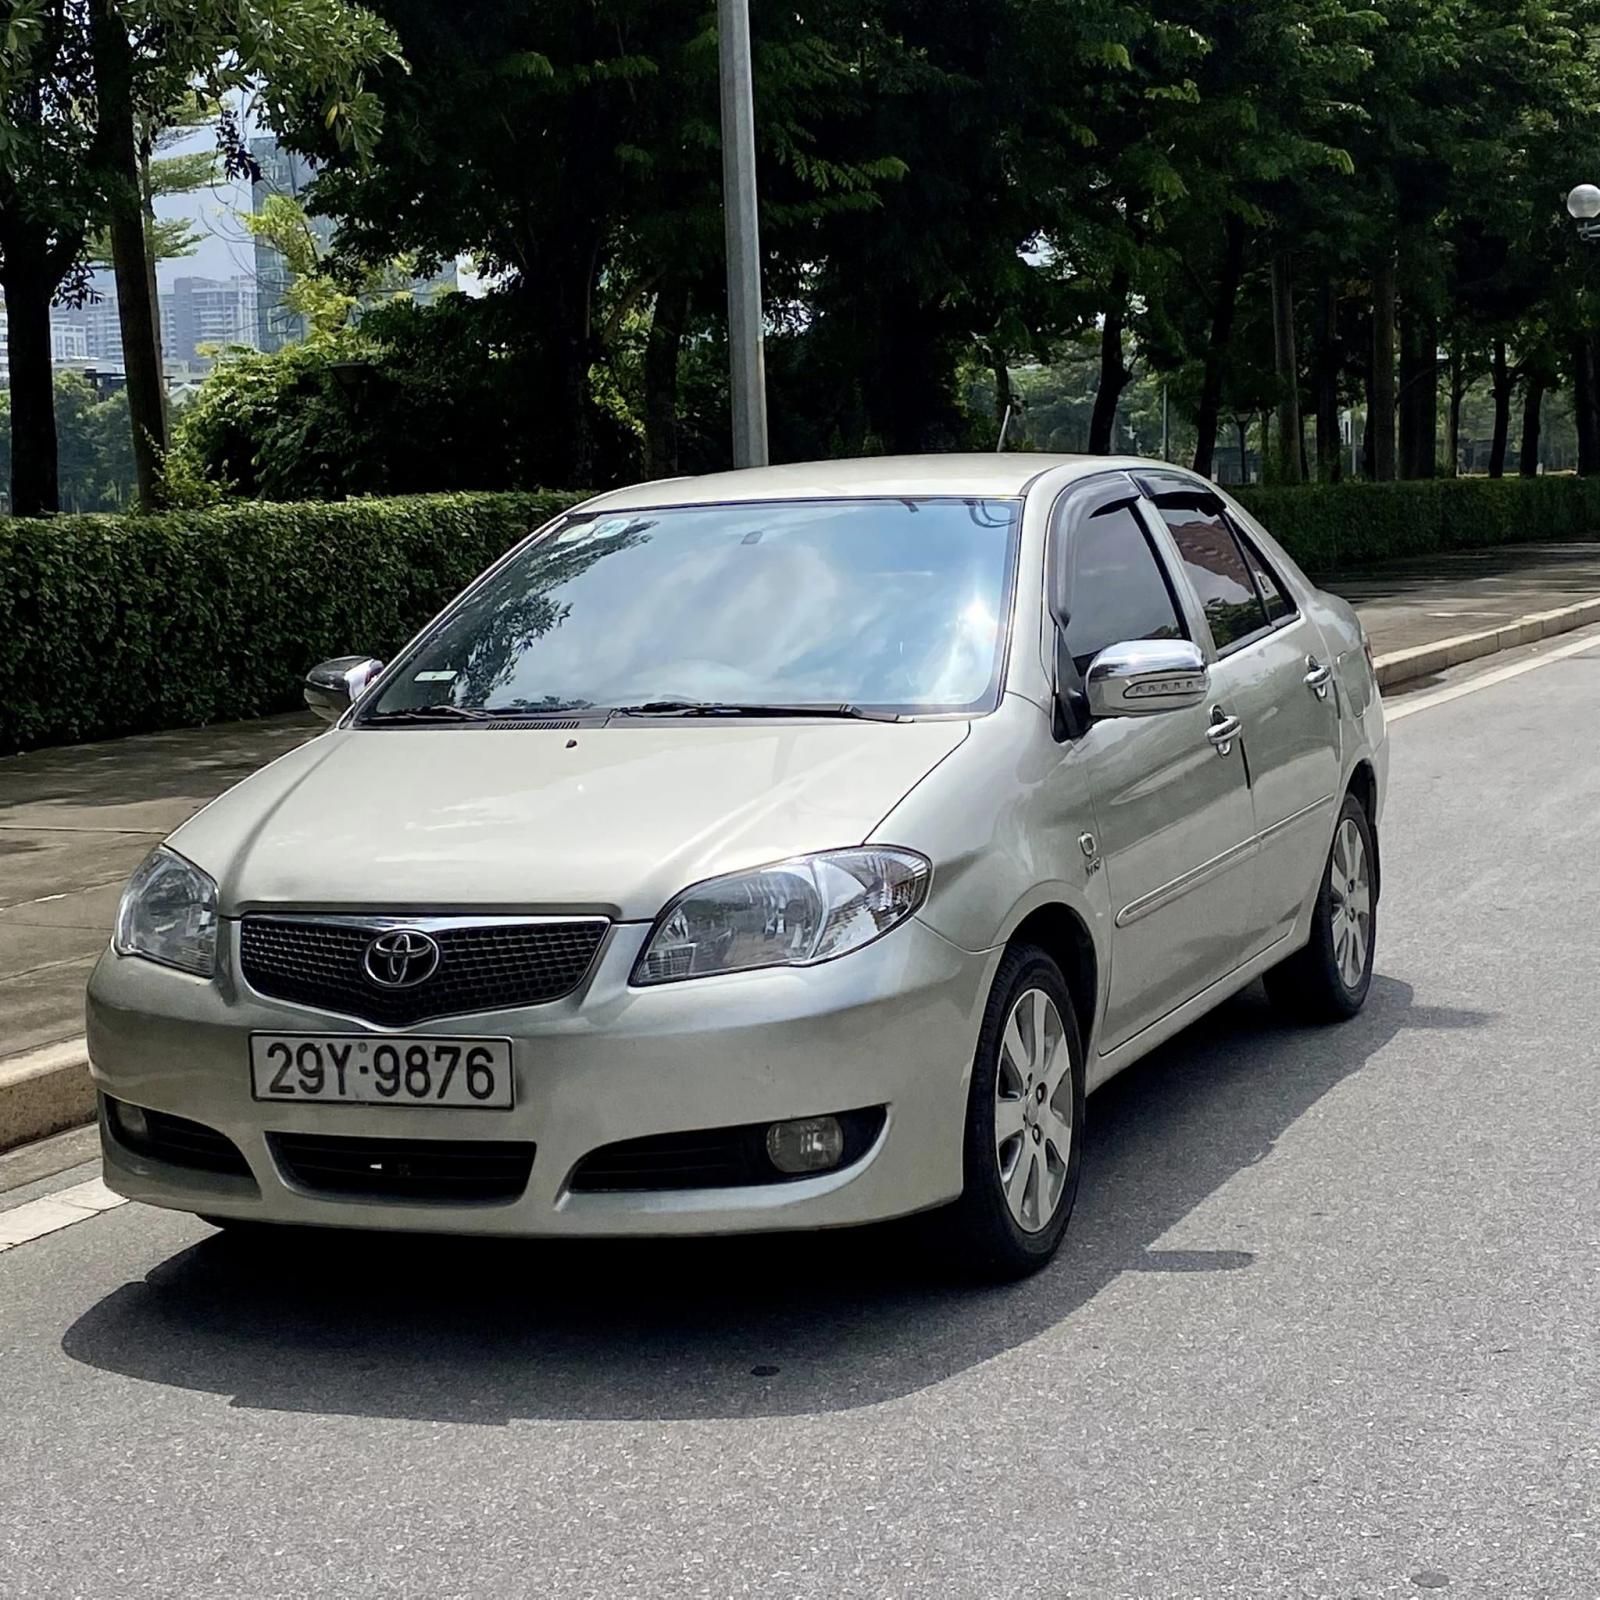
x: 893, y: 1025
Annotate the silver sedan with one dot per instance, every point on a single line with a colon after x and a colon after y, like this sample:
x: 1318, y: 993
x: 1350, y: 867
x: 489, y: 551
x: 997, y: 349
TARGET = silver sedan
x: 786, y: 849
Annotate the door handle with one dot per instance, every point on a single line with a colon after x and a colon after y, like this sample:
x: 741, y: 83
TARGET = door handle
x: 1223, y: 731
x: 1318, y: 677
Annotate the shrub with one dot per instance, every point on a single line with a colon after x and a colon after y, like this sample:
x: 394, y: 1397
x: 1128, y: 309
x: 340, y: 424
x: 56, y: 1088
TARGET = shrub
x: 413, y: 400
x: 116, y: 624
x: 1334, y: 526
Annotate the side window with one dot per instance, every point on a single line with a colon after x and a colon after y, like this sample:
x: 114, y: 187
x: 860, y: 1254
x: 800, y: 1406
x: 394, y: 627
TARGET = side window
x: 1273, y: 593
x: 1217, y: 569
x: 1118, y: 589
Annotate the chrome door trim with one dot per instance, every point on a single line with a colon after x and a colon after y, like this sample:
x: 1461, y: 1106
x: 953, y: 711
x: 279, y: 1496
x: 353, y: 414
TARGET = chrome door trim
x: 1288, y: 822
x: 1192, y: 879
x: 1195, y: 876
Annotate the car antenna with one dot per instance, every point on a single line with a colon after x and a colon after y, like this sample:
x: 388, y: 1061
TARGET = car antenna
x: 1005, y: 427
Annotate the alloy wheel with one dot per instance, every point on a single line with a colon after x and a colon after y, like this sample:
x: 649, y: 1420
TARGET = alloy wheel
x: 1033, y: 1110
x: 1350, y: 885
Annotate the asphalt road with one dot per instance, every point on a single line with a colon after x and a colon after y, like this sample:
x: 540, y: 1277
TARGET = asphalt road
x: 1326, y: 1326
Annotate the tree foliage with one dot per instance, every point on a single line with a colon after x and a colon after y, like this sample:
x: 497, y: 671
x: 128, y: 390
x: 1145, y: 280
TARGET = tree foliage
x: 1273, y: 211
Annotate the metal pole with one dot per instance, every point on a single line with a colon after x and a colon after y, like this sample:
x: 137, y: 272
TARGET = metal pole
x: 745, y: 331
x: 1165, y: 454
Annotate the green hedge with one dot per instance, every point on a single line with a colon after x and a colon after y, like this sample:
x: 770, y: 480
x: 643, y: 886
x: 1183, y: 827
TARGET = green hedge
x: 1332, y: 527
x: 113, y: 624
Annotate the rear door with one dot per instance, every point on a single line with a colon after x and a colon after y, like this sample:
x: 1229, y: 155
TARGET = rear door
x: 1171, y: 803
x: 1272, y: 664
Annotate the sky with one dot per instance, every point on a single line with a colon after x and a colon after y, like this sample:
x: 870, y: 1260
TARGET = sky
x: 225, y: 249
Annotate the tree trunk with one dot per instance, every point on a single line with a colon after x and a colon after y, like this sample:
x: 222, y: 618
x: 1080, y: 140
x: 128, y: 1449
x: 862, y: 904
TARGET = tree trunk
x: 1216, y: 359
x: 147, y: 204
x: 1366, y: 430
x: 1330, y: 445
x: 1500, y: 385
x: 1458, y: 390
x: 34, y: 485
x: 661, y: 355
x: 1419, y: 393
x: 1266, y: 443
x: 1532, y: 420
x: 1004, y: 395
x: 1286, y: 368
x: 1380, y: 413
x: 1586, y: 406
x: 141, y: 358
x: 1114, y: 373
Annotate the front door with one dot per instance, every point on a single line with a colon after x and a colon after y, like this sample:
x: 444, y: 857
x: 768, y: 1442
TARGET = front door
x: 1171, y: 800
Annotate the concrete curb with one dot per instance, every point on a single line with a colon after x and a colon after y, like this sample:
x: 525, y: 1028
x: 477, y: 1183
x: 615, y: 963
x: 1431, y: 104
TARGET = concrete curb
x: 44, y: 1092
x: 1424, y: 660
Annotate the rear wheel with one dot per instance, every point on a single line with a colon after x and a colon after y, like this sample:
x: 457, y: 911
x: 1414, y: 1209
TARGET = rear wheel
x: 1329, y: 979
x: 1024, y: 1121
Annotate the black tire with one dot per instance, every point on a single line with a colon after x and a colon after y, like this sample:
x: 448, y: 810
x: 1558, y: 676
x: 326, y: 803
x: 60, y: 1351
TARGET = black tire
x: 1311, y: 986
x: 993, y: 1243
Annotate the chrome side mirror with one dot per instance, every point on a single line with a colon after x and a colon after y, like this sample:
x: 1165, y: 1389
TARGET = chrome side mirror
x: 1145, y: 676
x: 332, y: 687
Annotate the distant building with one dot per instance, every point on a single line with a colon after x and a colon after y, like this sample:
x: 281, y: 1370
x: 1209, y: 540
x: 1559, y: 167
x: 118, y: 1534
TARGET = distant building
x: 202, y: 311
x: 69, y: 340
x: 287, y: 173
x: 89, y: 332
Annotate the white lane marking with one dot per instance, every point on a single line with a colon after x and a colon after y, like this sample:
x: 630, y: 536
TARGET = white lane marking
x: 1485, y: 680
x: 53, y: 1212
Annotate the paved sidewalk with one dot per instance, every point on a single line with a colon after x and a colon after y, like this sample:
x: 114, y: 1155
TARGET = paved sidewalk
x: 75, y: 821
x: 1409, y: 603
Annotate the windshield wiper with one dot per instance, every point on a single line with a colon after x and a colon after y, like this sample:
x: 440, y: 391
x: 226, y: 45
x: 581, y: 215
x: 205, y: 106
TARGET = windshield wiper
x: 729, y: 708
x: 439, y: 713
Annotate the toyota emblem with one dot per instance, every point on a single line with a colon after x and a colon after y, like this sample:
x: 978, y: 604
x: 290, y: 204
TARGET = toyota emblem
x: 402, y: 959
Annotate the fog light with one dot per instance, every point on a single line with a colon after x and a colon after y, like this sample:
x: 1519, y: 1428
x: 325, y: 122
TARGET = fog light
x: 131, y: 1124
x: 810, y: 1144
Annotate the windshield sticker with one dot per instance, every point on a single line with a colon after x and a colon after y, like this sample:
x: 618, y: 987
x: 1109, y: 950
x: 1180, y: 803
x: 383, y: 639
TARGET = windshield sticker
x: 436, y: 677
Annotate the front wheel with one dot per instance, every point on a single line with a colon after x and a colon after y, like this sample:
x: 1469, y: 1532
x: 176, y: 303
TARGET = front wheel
x: 1329, y: 979
x: 1024, y: 1129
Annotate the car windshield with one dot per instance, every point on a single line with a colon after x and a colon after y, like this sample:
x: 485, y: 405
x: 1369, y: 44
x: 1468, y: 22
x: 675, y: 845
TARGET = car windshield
x: 895, y: 606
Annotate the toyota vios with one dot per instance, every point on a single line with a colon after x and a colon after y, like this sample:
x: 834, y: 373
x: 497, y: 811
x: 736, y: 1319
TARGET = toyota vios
x: 786, y: 849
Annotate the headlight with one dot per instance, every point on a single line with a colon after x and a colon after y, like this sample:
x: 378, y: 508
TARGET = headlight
x: 792, y: 914
x: 169, y: 914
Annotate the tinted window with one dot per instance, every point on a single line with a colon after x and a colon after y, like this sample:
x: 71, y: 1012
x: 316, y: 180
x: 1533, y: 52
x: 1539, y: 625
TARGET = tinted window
x: 1118, y: 589
x: 1218, y: 572
x: 896, y: 604
x: 1272, y: 592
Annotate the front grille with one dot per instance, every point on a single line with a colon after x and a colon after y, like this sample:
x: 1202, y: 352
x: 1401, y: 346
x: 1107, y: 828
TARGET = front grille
x: 483, y: 966
x: 454, y: 1172
x: 179, y: 1142
x: 707, y: 1158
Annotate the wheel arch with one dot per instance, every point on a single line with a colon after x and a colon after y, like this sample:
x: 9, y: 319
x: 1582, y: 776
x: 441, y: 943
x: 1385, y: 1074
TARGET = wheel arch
x: 1064, y: 936
x: 1363, y: 785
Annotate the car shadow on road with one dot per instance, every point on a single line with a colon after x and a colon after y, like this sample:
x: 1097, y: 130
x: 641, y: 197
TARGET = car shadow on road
x: 489, y: 1332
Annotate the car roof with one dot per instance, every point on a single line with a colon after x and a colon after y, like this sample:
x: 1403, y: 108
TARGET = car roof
x: 898, y: 477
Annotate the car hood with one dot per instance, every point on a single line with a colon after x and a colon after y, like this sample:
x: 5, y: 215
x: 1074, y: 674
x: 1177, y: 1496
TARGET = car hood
x: 610, y: 820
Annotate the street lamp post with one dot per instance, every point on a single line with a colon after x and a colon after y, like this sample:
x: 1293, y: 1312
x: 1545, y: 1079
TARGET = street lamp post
x: 747, y: 358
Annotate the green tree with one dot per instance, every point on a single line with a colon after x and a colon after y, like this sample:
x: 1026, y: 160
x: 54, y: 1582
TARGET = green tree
x: 45, y: 142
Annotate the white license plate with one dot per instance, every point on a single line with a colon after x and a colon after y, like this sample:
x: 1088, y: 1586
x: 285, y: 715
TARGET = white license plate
x: 359, y: 1069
